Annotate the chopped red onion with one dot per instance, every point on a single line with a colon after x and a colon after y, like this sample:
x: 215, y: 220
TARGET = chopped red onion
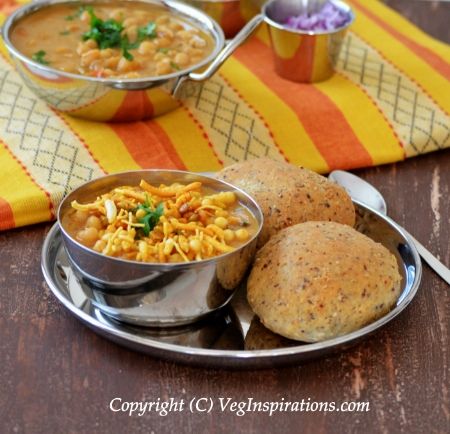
x: 328, y: 17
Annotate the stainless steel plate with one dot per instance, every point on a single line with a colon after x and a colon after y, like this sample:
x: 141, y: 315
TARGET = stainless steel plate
x: 224, y: 339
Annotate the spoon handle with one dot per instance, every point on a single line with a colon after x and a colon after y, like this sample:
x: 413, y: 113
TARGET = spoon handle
x: 432, y: 261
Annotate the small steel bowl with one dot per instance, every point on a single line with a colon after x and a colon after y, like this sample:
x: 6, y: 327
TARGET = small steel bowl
x: 228, y: 13
x: 169, y: 293
x: 304, y: 56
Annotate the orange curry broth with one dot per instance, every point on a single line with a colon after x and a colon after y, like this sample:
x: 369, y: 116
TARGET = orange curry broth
x: 54, y: 36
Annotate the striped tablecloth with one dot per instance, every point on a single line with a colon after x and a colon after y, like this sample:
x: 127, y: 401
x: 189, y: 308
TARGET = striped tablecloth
x: 389, y: 100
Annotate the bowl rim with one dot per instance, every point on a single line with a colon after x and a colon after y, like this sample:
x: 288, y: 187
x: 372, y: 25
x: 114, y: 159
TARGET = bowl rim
x: 338, y: 3
x: 160, y: 265
x: 184, y: 10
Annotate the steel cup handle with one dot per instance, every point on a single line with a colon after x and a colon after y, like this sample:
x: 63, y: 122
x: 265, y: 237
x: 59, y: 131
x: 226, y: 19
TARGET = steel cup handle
x: 229, y: 48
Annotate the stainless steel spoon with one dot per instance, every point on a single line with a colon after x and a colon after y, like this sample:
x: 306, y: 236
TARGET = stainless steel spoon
x: 361, y: 190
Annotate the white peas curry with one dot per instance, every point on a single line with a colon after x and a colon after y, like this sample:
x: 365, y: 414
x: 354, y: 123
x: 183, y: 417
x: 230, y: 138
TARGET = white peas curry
x: 164, y: 223
x: 128, y: 40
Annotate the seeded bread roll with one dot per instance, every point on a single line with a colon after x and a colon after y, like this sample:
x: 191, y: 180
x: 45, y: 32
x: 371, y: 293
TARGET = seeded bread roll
x: 317, y: 280
x: 288, y: 194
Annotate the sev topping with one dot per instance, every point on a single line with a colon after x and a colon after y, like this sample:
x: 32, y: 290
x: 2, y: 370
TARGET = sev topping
x: 175, y: 223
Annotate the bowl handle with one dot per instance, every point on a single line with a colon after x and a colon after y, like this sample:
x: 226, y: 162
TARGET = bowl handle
x: 229, y: 48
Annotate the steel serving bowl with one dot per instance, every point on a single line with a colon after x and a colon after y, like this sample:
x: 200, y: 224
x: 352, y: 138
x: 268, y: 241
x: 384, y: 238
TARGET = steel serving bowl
x: 101, y: 98
x: 174, y: 293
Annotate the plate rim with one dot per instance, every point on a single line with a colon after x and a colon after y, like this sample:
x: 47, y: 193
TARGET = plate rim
x: 237, y: 355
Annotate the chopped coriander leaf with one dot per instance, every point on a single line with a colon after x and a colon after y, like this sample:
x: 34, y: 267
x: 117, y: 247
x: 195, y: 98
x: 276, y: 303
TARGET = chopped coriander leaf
x: 39, y: 57
x: 126, y: 45
x: 148, y: 31
x: 64, y: 33
x: 125, y: 53
x: 107, y: 33
x: 174, y: 66
x: 147, y: 204
x: 162, y: 50
x: 151, y: 218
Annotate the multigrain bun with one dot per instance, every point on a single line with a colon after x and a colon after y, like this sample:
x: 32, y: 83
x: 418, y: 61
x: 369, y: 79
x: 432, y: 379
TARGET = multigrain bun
x: 288, y: 194
x: 317, y: 280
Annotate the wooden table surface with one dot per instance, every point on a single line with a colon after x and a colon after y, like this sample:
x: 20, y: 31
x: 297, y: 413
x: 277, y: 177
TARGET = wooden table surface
x: 57, y: 376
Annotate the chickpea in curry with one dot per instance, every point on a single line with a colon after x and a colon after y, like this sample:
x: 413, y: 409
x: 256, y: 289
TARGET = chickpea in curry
x: 104, y: 40
x: 174, y: 223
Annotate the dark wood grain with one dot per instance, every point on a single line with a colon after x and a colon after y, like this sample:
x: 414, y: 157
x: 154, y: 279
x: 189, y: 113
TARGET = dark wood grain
x: 57, y: 376
x: 431, y: 15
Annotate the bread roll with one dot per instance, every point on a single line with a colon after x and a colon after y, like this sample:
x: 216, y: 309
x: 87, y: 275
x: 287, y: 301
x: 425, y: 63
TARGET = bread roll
x: 317, y: 280
x: 288, y: 194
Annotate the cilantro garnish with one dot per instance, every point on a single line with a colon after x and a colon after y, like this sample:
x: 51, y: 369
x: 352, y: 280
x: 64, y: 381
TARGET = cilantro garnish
x: 108, y: 34
x: 64, y: 33
x: 162, y: 50
x: 174, y: 66
x: 149, y: 31
x: 126, y: 45
x: 152, y: 216
x: 39, y: 57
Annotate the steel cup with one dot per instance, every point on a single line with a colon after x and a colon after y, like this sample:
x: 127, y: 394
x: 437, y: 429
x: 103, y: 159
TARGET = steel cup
x: 304, y: 56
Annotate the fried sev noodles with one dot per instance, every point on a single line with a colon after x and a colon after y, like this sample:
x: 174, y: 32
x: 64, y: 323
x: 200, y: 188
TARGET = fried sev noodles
x: 175, y: 223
